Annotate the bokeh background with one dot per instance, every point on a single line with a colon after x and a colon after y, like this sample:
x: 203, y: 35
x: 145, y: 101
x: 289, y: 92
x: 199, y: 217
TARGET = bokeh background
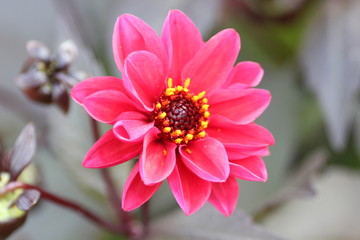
x: 310, y: 51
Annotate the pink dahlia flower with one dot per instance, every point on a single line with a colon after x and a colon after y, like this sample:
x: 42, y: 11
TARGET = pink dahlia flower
x: 184, y: 108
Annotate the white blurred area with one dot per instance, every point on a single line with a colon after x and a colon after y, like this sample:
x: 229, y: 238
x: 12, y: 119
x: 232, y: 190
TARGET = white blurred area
x: 332, y: 215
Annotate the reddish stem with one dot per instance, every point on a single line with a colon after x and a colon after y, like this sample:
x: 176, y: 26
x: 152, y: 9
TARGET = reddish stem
x: 145, y: 216
x: 114, y: 198
x: 65, y: 203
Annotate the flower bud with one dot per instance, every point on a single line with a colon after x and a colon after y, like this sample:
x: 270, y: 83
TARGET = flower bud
x: 46, y: 77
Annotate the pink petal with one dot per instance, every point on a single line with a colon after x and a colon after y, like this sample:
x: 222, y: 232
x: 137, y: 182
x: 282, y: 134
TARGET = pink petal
x: 212, y: 63
x: 135, y: 191
x: 105, y: 106
x: 224, y: 196
x: 251, y: 169
x: 207, y: 158
x: 190, y: 191
x: 132, y: 130
x: 109, y: 151
x: 240, y: 106
x: 157, y: 160
x: 244, y: 75
x: 183, y: 40
x: 145, y: 77
x: 92, y: 85
x: 133, y: 34
x: 237, y: 151
x: 132, y: 126
x: 249, y: 134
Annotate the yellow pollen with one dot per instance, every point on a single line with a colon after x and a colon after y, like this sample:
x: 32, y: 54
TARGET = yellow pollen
x: 178, y: 140
x: 201, y: 134
x: 189, y: 137
x: 179, y: 88
x: 170, y: 91
x: 170, y: 83
x: 158, y: 106
x: 187, y: 83
x: 204, y: 124
x: 204, y: 100
x: 188, y: 150
x: 177, y: 133
x: 195, y: 98
x: 166, y: 129
x: 202, y: 94
x: 206, y: 114
x: 205, y: 107
x: 162, y: 115
x: 164, y: 152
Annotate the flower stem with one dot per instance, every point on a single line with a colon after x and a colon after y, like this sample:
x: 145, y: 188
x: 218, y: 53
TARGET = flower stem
x: 145, y: 216
x: 65, y: 203
x: 114, y: 198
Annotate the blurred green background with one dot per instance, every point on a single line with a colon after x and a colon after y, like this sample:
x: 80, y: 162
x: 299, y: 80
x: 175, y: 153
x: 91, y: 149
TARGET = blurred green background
x: 310, y: 51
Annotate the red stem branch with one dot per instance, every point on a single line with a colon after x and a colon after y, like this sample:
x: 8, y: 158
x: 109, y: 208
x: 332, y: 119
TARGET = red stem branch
x: 65, y: 203
x: 112, y: 192
x: 145, y: 217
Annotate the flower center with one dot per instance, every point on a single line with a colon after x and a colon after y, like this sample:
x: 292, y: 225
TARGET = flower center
x: 180, y: 115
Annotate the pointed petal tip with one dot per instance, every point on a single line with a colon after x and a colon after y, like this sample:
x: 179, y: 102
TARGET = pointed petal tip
x: 88, y: 163
x: 224, y: 196
x: 250, y: 169
x: 189, y: 212
x: 126, y: 207
x: 226, y: 211
x: 176, y: 13
x: 232, y: 33
x: 264, y: 177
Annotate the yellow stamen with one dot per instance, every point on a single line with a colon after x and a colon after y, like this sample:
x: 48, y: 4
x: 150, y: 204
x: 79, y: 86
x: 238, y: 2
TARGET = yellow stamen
x: 178, y: 140
x: 178, y: 132
x: 202, y: 94
x: 164, y: 152
x: 166, y: 129
x: 204, y: 100
x: 187, y: 83
x: 207, y: 114
x: 170, y: 91
x: 158, y: 106
x: 205, y: 107
x: 195, y: 98
x: 179, y: 88
x: 162, y: 115
x: 201, y: 134
x: 204, y: 124
x: 189, y: 137
x: 170, y: 83
x: 188, y: 150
